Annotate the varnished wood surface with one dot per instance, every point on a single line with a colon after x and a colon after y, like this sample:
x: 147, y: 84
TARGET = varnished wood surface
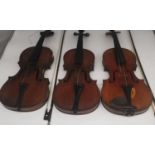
x: 97, y: 42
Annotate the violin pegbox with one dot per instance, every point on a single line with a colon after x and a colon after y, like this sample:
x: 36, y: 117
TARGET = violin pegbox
x: 47, y: 33
x: 81, y: 32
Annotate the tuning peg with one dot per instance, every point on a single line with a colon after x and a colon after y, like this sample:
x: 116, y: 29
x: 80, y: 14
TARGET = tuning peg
x: 81, y: 32
x: 112, y: 31
x: 86, y: 34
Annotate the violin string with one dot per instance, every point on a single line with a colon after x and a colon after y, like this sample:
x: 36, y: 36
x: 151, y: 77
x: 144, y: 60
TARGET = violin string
x: 142, y: 70
x: 79, y: 70
x: 122, y: 70
x: 124, y: 73
x: 23, y: 76
x: 78, y: 76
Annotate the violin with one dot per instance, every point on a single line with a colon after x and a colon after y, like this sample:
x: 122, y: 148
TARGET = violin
x: 77, y: 93
x: 123, y: 93
x: 28, y: 89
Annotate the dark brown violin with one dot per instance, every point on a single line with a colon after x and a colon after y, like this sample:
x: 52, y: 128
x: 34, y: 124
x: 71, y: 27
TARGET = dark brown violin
x: 123, y: 93
x: 77, y: 93
x: 28, y: 89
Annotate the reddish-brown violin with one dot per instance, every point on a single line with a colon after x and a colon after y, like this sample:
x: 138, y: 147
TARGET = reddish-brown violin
x: 77, y: 93
x: 28, y: 89
x: 123, y: 93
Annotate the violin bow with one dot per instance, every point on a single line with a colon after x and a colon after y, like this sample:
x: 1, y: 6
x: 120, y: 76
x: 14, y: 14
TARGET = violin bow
x: 49, y: 107
x: 142, y: 70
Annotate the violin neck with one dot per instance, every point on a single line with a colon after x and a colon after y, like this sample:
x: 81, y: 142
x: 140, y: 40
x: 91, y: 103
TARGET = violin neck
x: 79, y: 51
x: 37, y: 50
x: 118, y: 50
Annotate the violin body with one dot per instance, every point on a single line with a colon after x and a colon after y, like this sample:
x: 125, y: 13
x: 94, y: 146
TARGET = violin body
x: 87, y: 64
x: 44, y: 61
x: 77, y: 93
x: 123, y: 93
x: 11, y: 98
x: 28, y: 90
x: 112, y: 90
x: 64, y: 94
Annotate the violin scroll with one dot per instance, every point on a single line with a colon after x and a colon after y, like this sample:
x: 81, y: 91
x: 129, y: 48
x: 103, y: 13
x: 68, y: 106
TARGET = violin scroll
x: 47, y: 33
x: 111, y: 32
x: 81, y: 32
